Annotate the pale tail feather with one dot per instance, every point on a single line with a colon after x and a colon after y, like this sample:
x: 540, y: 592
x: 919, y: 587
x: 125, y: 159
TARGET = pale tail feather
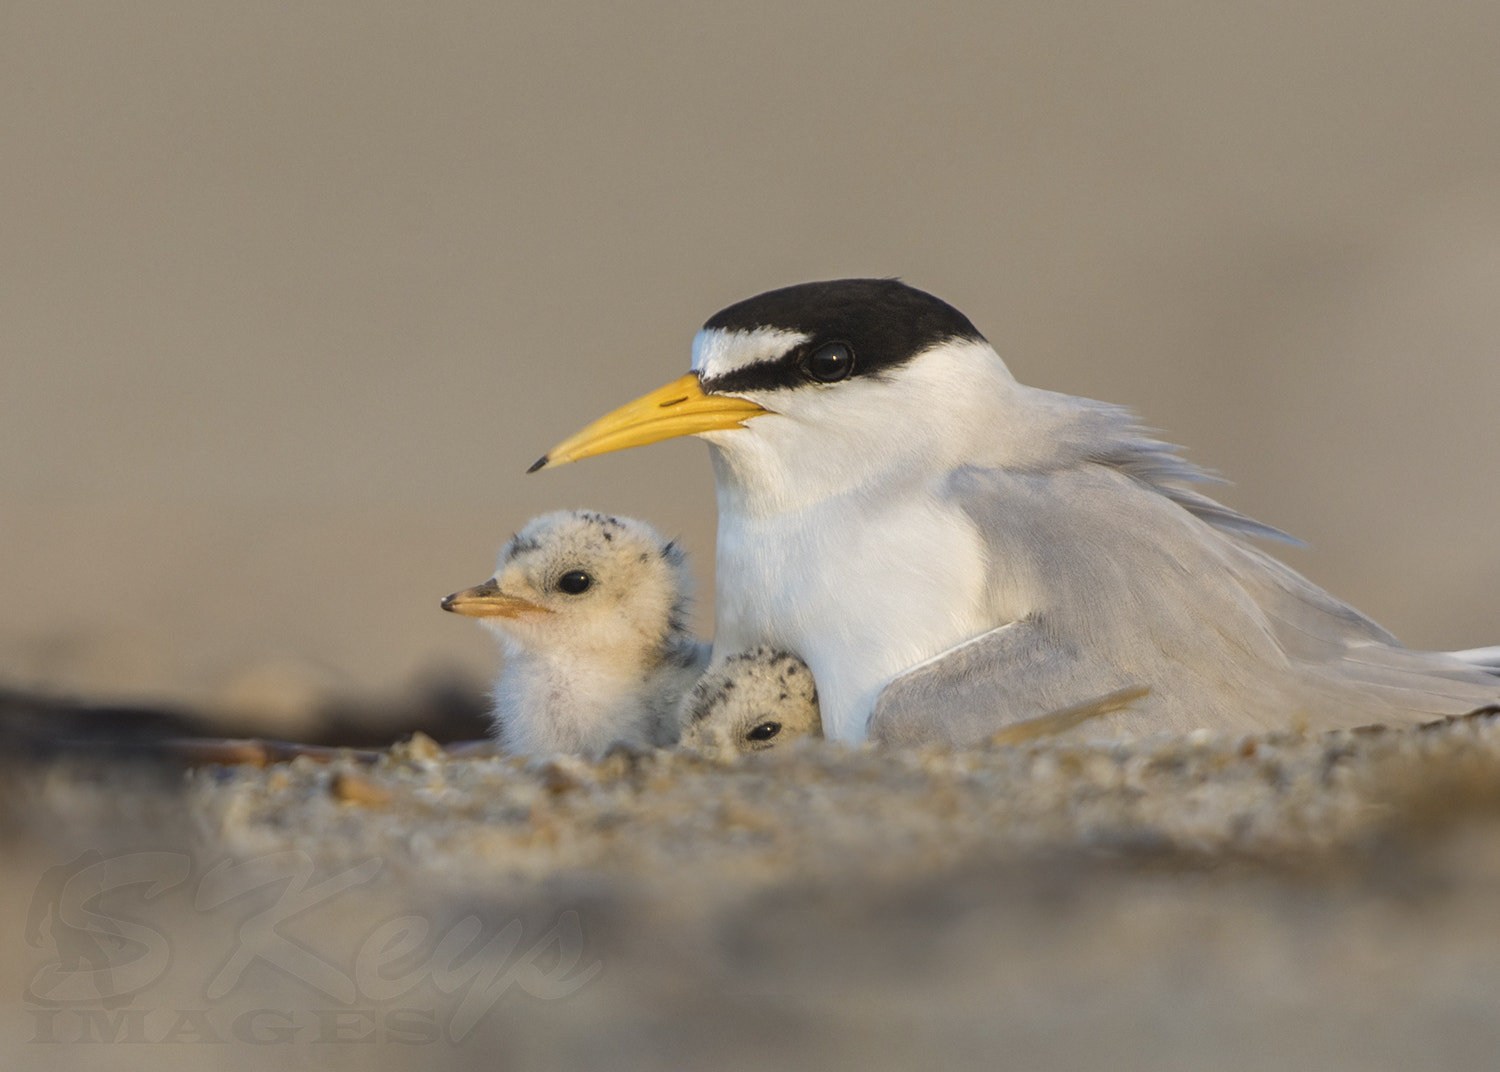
x: 1486, y: 659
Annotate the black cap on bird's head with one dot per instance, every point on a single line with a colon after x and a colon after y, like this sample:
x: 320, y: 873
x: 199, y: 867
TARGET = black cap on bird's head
x: 882, y: 323
x: 817, y: 334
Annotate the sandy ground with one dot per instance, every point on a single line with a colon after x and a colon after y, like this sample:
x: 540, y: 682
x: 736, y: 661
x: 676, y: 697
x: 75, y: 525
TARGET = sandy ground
x: 1258, y: 903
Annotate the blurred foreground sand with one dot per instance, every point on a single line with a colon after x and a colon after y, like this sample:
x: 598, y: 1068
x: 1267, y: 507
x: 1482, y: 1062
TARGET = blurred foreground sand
x: 1264, y: 903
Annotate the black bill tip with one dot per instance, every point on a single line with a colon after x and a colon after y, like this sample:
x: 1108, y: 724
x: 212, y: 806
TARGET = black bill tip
x: 538, y: 464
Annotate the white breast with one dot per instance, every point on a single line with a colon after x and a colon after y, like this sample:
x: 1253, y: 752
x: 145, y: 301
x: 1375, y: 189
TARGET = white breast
x: 862, y: 587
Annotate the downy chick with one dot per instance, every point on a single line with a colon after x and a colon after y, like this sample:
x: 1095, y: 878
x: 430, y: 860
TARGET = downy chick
x: 752, y: 701
x: 591, y: 612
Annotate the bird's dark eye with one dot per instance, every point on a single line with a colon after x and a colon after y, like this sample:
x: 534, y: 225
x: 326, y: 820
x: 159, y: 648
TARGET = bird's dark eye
x: 831, y: 362
x: 764, y: 732
x: 575, y: 582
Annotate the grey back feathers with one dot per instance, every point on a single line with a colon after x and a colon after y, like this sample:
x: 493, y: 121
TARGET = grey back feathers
x: 1137, y: 591
x: 1124, y: 445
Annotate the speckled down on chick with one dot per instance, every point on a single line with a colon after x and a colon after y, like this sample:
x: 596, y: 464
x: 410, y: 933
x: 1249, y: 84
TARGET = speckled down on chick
x: 591, y: 611
x: 765, y: 698
x: 752, y: 701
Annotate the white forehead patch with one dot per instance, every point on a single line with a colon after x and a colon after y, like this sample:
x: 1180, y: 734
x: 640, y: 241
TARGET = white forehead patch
x: 716, y: 351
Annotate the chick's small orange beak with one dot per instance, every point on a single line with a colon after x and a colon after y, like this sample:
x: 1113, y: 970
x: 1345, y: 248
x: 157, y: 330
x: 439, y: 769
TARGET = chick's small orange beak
x: 679, y: 408
x: 487, y: 601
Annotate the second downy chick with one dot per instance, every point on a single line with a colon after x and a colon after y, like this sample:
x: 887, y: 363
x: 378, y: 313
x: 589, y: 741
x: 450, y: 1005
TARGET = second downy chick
x: 591, y: 611
x: 752, y: 701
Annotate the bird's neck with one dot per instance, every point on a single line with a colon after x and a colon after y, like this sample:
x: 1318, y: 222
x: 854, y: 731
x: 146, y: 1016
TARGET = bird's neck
x: 549, y: 704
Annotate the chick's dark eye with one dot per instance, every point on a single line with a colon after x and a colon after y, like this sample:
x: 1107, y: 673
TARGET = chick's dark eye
x: 764, y: 732
x: 831, y: 362
x: 575, y: 582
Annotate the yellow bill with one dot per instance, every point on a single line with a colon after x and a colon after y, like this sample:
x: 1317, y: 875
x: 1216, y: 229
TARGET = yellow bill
x: 678, y: 409
x: 487, y: 601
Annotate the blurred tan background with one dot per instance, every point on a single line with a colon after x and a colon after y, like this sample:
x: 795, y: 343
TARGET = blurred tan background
x: 291, y: 294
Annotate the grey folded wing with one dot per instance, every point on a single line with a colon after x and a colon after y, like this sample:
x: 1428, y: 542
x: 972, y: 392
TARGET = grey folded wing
x: 1014, y: 676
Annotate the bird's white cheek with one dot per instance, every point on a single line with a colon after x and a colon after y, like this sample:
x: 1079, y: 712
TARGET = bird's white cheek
x: 780, y: 466
x: 821, y: 443
x: 748, y: 472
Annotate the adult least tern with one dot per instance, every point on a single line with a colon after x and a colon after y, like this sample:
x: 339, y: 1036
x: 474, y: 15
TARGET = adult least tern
x: 592, y: 613
x: 952, y: 551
